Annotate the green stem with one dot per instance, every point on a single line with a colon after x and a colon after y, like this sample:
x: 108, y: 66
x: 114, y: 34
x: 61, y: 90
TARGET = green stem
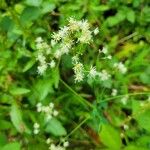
x: 80, y: 99
x: 119, y: 96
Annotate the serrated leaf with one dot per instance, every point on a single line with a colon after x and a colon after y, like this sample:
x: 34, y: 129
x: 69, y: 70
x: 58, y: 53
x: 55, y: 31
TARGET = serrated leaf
x: 110, y: 137
x: 55, y: 127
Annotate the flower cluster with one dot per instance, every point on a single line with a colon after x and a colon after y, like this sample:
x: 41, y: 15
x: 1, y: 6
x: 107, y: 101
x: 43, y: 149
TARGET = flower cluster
x: 53, y: 146
x: 76, y: 32
x: 36, y: 127
x: 49, y: 110
x: 114, y: 92
x: 121, y: 67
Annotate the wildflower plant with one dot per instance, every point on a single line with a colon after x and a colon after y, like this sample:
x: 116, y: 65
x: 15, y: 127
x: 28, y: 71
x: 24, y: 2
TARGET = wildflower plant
x: 74, y: 75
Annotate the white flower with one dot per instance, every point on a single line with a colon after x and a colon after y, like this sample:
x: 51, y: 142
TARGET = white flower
x: 73, y: 24
x: 121, y: 67
x: 36, y: 125
x: 63, y: 31
x: 53, y: 43
x: 56, y: 37
x: 114, y: 92
x: 79, y: 77
x: 85, y: 37
x: 58, y: 54
x: 104, y: 50
x: 96, y: 31
x: 78, y: 67
x: 75, y: 59
x: 55, y: 112
x: 41, y: 58
x: 52, y: 64
x: 92, y: 72
x: 109, y: 57
x: 48, y: 141
x: 39, y: 40
x: 84, y: 25
x: 104, y: 75
x: 126, y: 127
x: 42, y: 68
x: 124, y: 100
x: 36, y: 131
x: 66, y: 144
x: 39, y: 107
x: 51, y: 105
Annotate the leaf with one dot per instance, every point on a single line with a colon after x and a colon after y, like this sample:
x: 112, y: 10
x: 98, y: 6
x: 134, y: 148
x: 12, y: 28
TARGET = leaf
x: 6, y: 23
x: 29, y: 14
x: 19, y: 91
x: 133, y: 147
x: 29, y: 65
x: 55, y: 127
x: 16, y: 118
x: 47, y: 7
x: 110, y: 137
x: 131, y: 15
x: 143, y: 120
x: 12, y: 146
x: 33, y: 2
x: 3, y: 139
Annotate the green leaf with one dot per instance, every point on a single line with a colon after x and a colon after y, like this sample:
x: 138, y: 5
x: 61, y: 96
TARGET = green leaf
x: 6, y: 23
x: 16, y: 118
x: 19, y: 91
x: 33, y: 2
x: 29, y: 14
x: 143, y: 120
x: 131, y: 15
x: 29, y: 65
x: 133, y: 147
x: 55, y: 127
x: 110, y: 137
x: 3, y: 139
x: 47, y: 7
x: 12, y: 146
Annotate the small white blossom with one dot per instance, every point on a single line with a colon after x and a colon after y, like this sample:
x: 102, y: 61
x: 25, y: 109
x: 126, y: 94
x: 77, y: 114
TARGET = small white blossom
x: 52, y: 64
x: 36, y: 125
x: 66, y: 144
x: 126, y: 127
x: 36, y: 128
x: 114, y: 92
x: 92, y: 72
x: 79, y: 77
x: 55, y: 112
x: 75, y: 59
x: 121, y: 67
x: 124, y: 100
x: 48, y: 141
x: 51, y: 105
x: 104, y: 50
x: 109, y: 57
x: 42, y: 68
x: 39, y: 40
x: 36, y: 131
x: 96, y: 31
x: 104, y: 75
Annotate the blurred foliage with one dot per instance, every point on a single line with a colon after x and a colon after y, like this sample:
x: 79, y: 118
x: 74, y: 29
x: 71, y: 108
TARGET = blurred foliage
x: 124, y: 28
